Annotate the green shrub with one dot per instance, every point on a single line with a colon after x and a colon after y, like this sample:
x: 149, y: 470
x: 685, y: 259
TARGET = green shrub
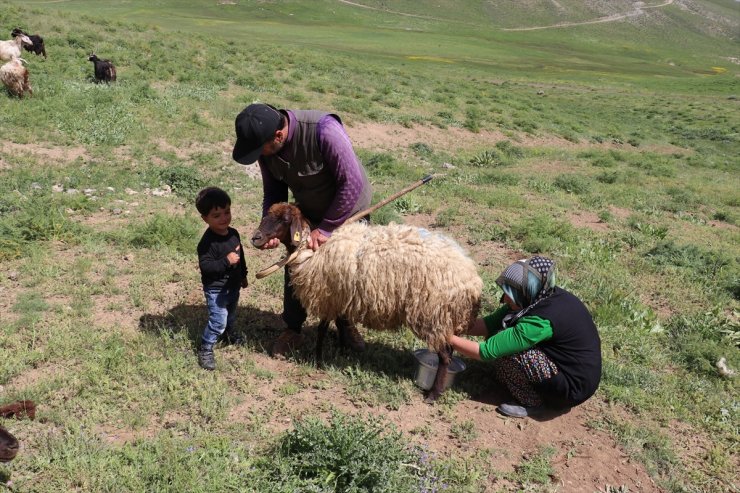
x: 489, y: 158
x: 348, y: 454
x: 421, y: 149
x: 37, y: 220
x: 543, y: 234
x: 573, y: 183
x: 383, y: 164
x: 668, y: 253
x: 699, y: 340
x: 608, y: 177
x: 509, y: 149
x: 184, y: 180
x: 164, y: 231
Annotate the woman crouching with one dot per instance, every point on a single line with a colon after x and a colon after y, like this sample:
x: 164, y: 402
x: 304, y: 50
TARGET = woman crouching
x: 543, y: 342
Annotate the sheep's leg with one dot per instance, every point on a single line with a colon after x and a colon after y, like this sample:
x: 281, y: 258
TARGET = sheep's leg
x: 445, y: 356
x: 320, y: 335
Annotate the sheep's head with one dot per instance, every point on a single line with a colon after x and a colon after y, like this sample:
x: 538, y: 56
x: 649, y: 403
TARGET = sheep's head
x: 8, y: 446
x: 284, y: 222
x: 16, y: 32
x: 24, y: 39
x: 93, y: 57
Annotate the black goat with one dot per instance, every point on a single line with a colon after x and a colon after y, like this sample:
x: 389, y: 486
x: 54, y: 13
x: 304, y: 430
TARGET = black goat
x: 38, y: 46
x: 105, y: 71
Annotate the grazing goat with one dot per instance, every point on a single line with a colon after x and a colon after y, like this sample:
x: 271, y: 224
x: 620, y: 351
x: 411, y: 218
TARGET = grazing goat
x: 37, y: 41
x: 14, y: 77
x: 12, y: 48
x: 8, y: 443
x: 383, y: 277
x: 105, y: 71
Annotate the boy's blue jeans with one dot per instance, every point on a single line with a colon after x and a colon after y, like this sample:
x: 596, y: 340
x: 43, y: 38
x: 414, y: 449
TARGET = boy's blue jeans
x: 222, y: 303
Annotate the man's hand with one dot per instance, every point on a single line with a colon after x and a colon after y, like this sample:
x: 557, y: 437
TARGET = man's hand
x: 233, y: 257
x: 316, y: 239
x: 245, y: 282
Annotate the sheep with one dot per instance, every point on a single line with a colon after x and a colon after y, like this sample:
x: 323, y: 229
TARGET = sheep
x: 383, y: 277
x: 37, y: 42
x: 14, y: 77
x: 105, y: 71
x: 8, y: 443
x: 12, y: 48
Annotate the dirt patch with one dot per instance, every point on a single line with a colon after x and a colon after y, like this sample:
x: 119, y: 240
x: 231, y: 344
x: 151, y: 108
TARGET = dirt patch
x: 578, y: 447
x: 391, y: 137
x: 590, y: 220
x: 55, y: 154
x: 34, y: 376
x: 186, y: 152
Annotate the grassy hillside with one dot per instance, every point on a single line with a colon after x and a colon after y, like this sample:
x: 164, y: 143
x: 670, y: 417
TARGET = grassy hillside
x: 610, y: 147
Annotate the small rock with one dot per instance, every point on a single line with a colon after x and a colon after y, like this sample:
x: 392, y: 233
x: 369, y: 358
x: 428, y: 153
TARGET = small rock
x: 131, y: 192
x: 13, y: 275
x: 72, y: 191
x: 35, y: 186
x: 110, y: 189
x: 57, y: 188
x: 448, y: 166
x: 89, y: 191
x: 116, y: 211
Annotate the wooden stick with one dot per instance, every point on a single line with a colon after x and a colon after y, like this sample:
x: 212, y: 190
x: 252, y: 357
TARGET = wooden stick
x: 393, y: 197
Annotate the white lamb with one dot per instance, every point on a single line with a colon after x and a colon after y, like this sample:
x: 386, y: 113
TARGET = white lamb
x: 14, y: 77
x: 11, y: 48
x: 383, y: 277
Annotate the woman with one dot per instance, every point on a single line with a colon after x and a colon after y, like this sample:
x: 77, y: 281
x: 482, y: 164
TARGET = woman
x: 543, y: 342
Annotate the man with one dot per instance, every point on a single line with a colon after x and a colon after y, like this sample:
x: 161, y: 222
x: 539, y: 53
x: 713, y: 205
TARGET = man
x: 310, y: 154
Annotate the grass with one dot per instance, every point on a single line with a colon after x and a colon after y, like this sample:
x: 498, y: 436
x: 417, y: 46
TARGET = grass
x: 102, y: 310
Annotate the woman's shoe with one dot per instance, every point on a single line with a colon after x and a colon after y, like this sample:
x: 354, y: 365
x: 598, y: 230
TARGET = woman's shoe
x: 515, y: 410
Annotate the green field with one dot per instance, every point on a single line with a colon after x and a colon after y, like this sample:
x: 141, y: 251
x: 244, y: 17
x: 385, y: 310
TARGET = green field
x: 611, y: 147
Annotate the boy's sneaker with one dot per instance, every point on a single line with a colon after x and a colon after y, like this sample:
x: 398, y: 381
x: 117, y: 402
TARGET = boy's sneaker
x: 515, y: 410
x: 206, y: 359
x: 286, y: 342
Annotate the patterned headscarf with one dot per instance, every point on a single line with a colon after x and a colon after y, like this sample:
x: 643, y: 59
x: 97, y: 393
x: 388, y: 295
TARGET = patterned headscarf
x: 528, y: 281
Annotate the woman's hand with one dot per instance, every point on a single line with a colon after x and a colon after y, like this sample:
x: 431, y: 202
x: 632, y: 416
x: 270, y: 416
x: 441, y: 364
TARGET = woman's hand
x: 466, y: 347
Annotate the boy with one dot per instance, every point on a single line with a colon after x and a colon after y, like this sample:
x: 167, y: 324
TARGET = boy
x: 222, y: 269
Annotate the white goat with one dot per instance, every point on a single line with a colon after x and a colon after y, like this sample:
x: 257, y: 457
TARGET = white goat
x: 12, y: 47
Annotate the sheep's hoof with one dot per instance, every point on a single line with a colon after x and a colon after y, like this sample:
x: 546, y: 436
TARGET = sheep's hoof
x: 430, y: 398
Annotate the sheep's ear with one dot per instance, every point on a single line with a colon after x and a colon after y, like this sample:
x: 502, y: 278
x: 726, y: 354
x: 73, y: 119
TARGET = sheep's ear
x: 296, y: 231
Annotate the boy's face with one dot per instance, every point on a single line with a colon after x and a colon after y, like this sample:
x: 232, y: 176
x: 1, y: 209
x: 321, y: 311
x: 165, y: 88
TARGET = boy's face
x: 218, y: 219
